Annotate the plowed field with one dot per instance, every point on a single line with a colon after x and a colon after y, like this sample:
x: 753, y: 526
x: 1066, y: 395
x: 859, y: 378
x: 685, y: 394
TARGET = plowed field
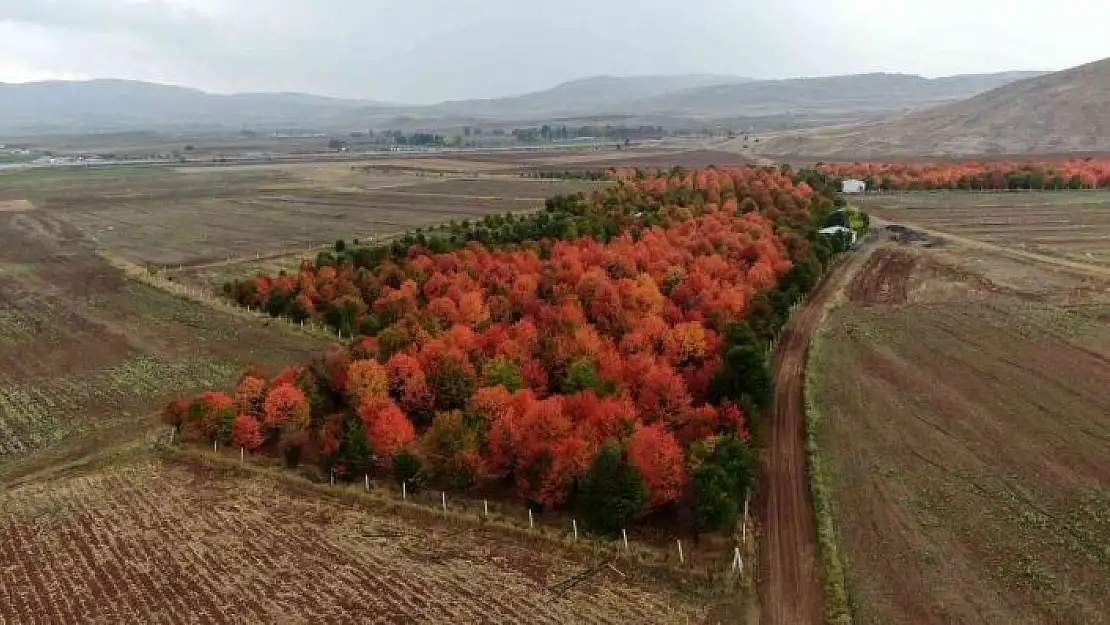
x: 169, y: 542
x: 966, y: 428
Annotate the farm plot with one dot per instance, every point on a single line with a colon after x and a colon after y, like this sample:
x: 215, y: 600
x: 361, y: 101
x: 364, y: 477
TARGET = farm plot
x: 965, y: 431
x: 84, y: 351
x: 172, y: 216
x: 174, y: 542
x: 1068, y: 224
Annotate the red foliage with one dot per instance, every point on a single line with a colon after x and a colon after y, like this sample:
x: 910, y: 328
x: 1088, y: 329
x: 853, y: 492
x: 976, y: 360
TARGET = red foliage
x: 656, y: 453
x: 387, y: 428
x: 246, y: 432
x: 285, y: 404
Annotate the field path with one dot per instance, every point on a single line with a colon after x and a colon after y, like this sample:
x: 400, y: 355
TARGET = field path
x: 790, y: 590
x: 1020, y: 254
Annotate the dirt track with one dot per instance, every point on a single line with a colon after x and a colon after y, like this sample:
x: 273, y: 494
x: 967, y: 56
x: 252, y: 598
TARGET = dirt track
x: 790, y: 591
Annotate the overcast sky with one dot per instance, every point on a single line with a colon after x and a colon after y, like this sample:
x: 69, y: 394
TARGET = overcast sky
x: 429, y: 50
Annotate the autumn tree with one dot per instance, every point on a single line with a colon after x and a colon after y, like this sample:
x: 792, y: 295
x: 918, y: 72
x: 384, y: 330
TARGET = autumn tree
x: 655, y: 452
x: 246, y: 432
x: 450, y: 449
x: 285, y: 406
x: 366, y: 379
x: 387, y: 428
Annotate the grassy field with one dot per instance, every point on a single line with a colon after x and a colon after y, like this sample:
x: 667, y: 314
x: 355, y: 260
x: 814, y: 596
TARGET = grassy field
x: 179, y: 541
x: 1073, y: 225
x: 965, y: 432
x: 172, y: 216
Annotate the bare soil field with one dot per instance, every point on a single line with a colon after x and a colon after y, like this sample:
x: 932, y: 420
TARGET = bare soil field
x: 1074, y: 225
x: 86, y: 354
x: 179, y: 541
x: 165, y: 216
x: 965, y: 428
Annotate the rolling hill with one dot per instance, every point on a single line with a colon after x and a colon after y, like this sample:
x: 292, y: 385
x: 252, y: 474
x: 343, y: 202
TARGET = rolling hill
x: 677, y: 100
x: 1067, y: 111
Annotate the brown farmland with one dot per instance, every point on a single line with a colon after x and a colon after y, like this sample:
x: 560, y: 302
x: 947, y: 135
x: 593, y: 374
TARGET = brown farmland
x: 1073, y: 225
x: 172, y: 216
x: 965, y: 430
x: 178, y: 541
x: 87, y: 356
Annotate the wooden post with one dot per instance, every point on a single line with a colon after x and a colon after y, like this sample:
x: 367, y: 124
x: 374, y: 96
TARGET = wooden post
x: 574, y: 524
x: 681, y: 558
x: 213, y: 446
x: 531, y: 525
x: 624, y: 535
x: 242, y: 456
x: 485, y: 506
x: 443, y: 495
x: 367, y: 481
x: 404, y: 491
x: 173, y: 434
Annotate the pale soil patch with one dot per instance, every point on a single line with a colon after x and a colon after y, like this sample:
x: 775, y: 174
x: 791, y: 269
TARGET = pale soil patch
x: 15, y: 206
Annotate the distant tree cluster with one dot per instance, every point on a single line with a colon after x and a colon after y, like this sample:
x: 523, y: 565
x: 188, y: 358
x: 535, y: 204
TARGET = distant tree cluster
x: 1073, y: 174
x: 607, y: 354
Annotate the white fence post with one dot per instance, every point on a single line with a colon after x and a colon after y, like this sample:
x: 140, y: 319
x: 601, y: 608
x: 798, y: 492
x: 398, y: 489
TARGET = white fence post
x: 367, y: 481
x: 242, y: 456
x: 624, y: 535
x: 213, y: 446
x: 531, y: 525
x: 443, y: 495
x: 574, y: 524
x: 404, y: 491
x: 485, y: 506
x: 681, y: 557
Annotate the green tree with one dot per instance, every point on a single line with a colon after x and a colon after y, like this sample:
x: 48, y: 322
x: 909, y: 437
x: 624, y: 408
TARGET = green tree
x: 721, y: 482
x: 612, y: 493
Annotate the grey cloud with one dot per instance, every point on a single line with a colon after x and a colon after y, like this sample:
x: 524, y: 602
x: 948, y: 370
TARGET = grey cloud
x: 429, y: 50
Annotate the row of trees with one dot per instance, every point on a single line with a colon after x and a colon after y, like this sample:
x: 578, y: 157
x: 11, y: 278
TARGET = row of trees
x: 618, y: 373
x: 1073, y: 174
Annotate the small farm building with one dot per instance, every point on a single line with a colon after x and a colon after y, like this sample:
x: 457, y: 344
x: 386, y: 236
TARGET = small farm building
x: 852, y: 185
x: 834, y: 230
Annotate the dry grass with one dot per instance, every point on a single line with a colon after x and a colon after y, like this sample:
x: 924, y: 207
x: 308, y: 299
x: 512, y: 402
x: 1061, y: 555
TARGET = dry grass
x: 177, y: 542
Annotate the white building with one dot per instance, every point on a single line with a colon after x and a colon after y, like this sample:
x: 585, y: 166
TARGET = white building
x: 834, y: 230
x: 852, y: 185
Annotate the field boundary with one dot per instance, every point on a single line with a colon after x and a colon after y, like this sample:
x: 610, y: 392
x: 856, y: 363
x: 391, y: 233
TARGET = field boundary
x: 177, y: 289
x: 838, y: 600
x: 642, y: 562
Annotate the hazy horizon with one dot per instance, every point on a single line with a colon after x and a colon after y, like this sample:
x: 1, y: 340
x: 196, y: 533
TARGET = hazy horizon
x: 427, y: 51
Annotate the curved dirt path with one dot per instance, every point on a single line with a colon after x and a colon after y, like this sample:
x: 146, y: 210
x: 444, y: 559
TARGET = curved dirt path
x: 790, y: 590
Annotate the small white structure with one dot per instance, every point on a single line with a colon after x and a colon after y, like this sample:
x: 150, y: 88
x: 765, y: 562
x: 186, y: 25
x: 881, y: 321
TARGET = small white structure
x: 852, y: 185
x: 835, y: 230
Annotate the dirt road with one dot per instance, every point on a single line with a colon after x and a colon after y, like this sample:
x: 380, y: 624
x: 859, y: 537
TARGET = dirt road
x: 790, y: 591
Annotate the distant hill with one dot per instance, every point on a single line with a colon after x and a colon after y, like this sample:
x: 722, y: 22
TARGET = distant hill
x: 844, y: 97
x: 585, y: 96
x: 1065, y: 111
x: 108, y: 105
x: 122, y: 106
